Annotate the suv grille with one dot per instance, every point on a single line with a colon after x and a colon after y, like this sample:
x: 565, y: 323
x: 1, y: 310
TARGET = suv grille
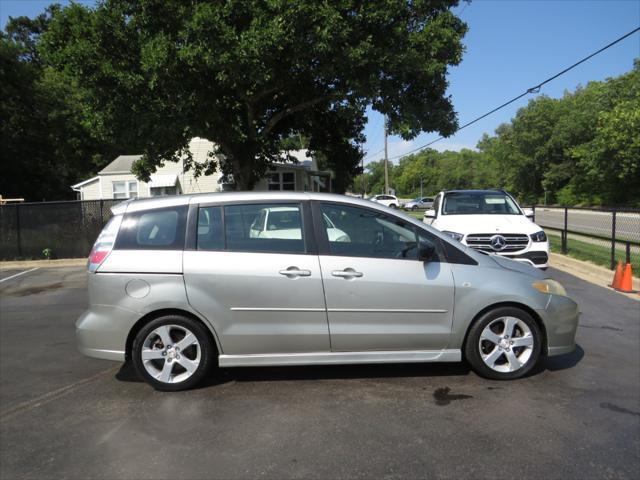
x: 513, y: 242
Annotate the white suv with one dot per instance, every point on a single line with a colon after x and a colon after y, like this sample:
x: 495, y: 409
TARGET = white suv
x: 490, y: 221
x: 386, y: 200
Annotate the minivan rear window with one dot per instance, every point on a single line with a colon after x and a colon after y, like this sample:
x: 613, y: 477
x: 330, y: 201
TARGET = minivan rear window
x: 159, y: 229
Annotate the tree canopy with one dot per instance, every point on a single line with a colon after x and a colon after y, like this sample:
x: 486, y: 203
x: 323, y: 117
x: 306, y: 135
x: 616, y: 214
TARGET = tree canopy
x: 247, y: 74
x: 583, y: 148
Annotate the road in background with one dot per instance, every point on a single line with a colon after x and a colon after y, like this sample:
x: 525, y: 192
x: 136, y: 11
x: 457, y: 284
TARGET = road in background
x: 63, y: 415
x: 591, y: 222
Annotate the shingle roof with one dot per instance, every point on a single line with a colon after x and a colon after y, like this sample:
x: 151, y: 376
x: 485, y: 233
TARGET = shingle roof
x: 122, y: 164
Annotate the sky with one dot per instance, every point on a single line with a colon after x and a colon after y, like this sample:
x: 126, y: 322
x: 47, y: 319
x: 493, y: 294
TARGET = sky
x: 511, y: 45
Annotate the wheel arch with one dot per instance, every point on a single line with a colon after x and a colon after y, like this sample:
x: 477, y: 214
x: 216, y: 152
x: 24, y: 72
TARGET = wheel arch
x: 148, y: 317
x: 521, y: 306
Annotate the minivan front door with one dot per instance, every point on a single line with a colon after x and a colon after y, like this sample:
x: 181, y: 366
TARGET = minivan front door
x: 256, y: 284
x: 379, y: 296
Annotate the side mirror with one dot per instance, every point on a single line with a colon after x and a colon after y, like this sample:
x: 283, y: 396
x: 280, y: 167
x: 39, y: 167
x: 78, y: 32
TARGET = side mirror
x: 431, y: 213
x: 528, y: 212
x: 426, y: 251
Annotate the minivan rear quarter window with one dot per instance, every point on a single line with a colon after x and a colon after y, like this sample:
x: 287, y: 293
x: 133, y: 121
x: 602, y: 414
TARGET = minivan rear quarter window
x: 160, y: 229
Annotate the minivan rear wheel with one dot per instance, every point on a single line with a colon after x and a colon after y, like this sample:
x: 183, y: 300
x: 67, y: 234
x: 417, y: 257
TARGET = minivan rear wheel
x: 504, y: 344
x: 172, y: 353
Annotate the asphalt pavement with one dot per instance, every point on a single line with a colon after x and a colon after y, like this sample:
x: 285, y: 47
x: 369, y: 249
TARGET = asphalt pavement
x: 64, y: 415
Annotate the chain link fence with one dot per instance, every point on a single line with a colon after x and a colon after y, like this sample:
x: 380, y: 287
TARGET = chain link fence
x: 67, y: 229
x: 601, y: 235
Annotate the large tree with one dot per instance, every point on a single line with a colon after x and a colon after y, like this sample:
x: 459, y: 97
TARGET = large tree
x: 48, y: 142
x: 247, y: 74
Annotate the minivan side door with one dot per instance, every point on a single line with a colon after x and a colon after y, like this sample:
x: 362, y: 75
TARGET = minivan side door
x: 379, y: 296
x: 262, y: 294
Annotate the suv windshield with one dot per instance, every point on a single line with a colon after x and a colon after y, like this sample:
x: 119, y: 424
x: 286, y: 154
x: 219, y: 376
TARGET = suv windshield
x: 479, y: 203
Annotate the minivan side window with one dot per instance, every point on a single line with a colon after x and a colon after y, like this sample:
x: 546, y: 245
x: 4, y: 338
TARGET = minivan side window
x: 159, y: 229
x: 210, y: 235
x: 273, y: 228
x: 360, y: 232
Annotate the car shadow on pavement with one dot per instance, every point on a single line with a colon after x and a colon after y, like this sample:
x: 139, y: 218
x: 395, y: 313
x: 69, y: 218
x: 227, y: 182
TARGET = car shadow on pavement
x: 563, y: 362
x: 220, y: 376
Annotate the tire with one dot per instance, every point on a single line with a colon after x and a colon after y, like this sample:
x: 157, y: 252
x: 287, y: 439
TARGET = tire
x: 180, y: 365
x: 494, y: 357
x: 393, y: 205
x: 414, y: 208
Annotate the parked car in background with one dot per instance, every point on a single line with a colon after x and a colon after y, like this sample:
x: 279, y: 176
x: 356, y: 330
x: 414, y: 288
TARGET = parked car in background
x: 386, y: 200
x: 181, y: 284
x: 420, y: 203
x: 490, y: 221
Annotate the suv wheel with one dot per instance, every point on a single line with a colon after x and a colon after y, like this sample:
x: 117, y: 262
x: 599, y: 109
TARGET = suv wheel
x: 172, y: 353
x: 504, y: 344
x: 414, y: 208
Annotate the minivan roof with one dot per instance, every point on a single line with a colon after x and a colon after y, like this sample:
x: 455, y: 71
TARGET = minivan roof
x: 138, y: 204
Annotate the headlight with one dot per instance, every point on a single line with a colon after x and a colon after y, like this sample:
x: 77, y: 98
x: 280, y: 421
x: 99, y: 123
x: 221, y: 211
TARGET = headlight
x: 454, y: 235
x: 539, y: 236
x: 549, y: 286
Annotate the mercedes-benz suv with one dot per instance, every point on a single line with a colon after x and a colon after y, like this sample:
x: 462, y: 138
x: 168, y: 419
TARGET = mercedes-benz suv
x: 490, y: 221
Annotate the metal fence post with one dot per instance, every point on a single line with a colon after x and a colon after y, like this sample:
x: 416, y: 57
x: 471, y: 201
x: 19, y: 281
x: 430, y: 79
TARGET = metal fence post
x: 533, y: 208
x: 101, y: 214
x: 564, y: 232
x: 628, y: 252
x: 613, y: 239
x: 18, y: 230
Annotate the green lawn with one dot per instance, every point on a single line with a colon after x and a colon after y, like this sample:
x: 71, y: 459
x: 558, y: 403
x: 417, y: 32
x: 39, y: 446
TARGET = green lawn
x: 598, y: 254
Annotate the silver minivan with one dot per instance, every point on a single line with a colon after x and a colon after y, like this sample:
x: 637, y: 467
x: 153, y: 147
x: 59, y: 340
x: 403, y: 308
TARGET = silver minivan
x: 178, y: 285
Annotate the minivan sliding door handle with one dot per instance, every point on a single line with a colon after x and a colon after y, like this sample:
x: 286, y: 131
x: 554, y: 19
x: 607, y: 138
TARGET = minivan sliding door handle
x: 346, y: 273
x: 293, y: 272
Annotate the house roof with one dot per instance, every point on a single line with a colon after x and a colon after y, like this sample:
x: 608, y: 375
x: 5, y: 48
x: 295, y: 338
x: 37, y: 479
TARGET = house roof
x: 122, y: 164
x: 85, y: 182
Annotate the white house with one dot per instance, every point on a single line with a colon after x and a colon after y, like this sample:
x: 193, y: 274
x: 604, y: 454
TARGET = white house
x: 116, y: 181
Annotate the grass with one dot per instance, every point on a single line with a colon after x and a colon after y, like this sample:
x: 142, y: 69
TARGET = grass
x: 598, y: 254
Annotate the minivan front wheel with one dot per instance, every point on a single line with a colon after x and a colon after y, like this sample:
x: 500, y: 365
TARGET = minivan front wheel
x: 172, y: 353
x: 504, y: 344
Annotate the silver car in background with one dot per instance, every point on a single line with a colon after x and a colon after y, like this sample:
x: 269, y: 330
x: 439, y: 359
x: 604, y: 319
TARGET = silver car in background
x: 178, y: 285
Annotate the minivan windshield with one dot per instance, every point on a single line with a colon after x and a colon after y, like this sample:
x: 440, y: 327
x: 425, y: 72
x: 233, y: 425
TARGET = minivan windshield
x: 479, y: 203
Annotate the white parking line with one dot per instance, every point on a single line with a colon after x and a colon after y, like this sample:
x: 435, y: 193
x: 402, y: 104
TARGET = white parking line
x: 18, y: 274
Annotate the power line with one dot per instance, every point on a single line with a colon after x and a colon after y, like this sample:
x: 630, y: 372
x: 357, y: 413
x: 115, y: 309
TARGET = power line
x: 534, y: 89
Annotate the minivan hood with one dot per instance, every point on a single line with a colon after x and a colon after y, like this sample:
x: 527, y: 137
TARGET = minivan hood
x: 516, y: 266
x: 466, y: 224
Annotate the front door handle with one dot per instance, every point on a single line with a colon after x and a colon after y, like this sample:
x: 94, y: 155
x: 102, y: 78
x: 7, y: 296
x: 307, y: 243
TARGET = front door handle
x: 346, y: 273
x: 293, y: 272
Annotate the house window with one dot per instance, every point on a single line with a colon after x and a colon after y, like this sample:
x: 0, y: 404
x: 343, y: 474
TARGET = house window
x: 161, y: 191
x: 281, y: 181
x: 125, y: 189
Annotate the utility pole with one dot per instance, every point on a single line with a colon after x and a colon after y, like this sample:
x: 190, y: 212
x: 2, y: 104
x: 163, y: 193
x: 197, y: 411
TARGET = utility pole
x: 386, y: 160
x: 364, y: 187
x: 421, y: 194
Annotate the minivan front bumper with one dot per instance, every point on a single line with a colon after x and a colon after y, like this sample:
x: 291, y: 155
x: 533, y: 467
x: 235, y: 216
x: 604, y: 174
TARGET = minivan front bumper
x: 561, y: 322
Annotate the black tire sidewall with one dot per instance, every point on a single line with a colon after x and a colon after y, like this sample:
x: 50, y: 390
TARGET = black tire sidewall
x: 207, y: 351
x: 472, y: 349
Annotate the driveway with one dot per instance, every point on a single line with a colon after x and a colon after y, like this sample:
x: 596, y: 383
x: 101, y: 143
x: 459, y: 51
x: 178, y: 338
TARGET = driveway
x: 63, y: 415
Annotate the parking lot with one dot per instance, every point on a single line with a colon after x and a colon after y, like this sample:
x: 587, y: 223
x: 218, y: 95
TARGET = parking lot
x: 64, y: 415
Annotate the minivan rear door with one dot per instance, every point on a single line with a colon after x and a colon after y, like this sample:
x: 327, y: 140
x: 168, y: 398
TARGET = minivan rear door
x: 253, y: 273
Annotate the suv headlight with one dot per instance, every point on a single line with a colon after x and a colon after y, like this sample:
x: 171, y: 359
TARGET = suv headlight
x: 539, y: 236
x: 454, y: 235
x: 549, y: 286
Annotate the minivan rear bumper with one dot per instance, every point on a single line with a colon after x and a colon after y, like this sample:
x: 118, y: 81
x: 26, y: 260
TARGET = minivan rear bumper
x: 100, y: 335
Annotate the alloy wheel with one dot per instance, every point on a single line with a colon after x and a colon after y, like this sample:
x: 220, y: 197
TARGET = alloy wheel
x: 506, y: 344
x: 171, y: 353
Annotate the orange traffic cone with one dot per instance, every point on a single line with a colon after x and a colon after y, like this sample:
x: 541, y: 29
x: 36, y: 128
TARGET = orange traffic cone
x: 617, y: 277
x: 626, y: 284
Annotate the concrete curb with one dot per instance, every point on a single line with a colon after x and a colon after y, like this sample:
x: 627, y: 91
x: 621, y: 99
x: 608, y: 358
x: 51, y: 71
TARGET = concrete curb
x: 590, y: 272
x: 63, y: 262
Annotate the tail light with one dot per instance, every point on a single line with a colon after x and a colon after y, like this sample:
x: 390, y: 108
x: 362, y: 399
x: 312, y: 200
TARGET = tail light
x: 104, y: 244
